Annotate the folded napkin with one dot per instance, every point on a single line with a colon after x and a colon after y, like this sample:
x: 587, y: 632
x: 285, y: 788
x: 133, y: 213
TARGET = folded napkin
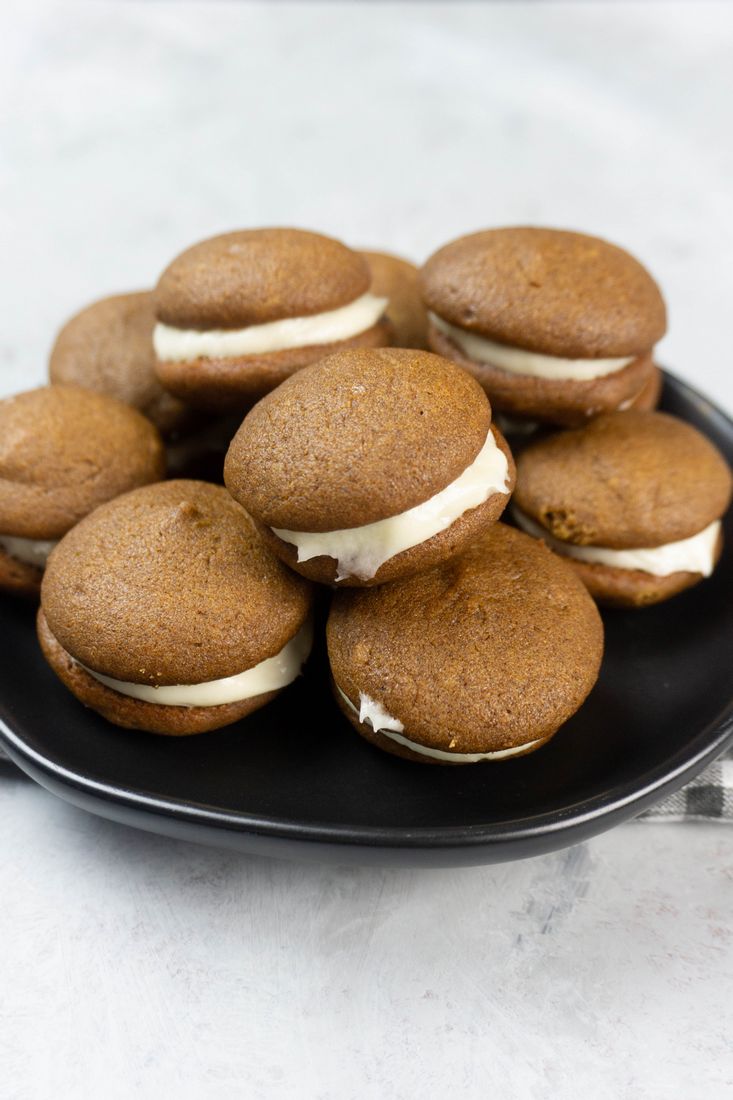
x: 709, y: 797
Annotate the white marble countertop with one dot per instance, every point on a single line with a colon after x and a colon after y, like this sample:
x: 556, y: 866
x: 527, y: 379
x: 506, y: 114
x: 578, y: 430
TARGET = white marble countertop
x: 131, y: 965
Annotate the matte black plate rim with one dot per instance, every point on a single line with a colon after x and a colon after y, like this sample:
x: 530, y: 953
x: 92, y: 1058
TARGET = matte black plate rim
x: 632, y: 798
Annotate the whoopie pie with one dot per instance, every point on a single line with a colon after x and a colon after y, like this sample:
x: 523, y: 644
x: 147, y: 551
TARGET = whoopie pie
x: 165, y: 611
x: 483, y: 657
x: 239, y: 313
x: 633, y: 501
x: 371, y: 465
x: 108, y: 347
x: 63, y: 451
x: 557, y: 326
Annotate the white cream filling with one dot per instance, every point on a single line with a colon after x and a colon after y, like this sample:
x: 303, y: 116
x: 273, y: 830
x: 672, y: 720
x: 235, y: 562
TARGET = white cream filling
x: 695, y: 554
x: 382, y: 722
x: 181, y: 345
x: 30, y: 551
x: 521, y: 361
x: 361, y: 551
x: 269, y: 675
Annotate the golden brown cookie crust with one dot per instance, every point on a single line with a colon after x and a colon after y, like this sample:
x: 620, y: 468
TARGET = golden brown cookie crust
x: 547, y: 290
x: 548, y: 400
x: 630, y: 479
x: 396, y: 279
x: 19, y: 578
x: 254, y: 276
x: 239, y: 381
x: 171, y: 585
x: 494, y: 648
x: 63, y: 451
x: 446, y: 544
x: 137, y: 714
x: 356, y: 438
x: 108, y: 347
x: 612, y: 587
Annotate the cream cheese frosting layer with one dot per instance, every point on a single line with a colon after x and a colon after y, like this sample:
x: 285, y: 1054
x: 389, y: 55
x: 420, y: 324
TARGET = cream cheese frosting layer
x: 30, y: 551
x: 695, y: 554
x: 361, y: 551
x: 180, y: 345
x: 381, y: 722
x: 269, y: 675
x: 520, y: 361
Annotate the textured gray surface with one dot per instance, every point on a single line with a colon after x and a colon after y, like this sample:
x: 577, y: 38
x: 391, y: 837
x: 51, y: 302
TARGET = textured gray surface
x: 137, y: 966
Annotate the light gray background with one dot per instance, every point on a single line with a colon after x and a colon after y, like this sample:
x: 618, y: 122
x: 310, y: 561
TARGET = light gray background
x: 136, y: 966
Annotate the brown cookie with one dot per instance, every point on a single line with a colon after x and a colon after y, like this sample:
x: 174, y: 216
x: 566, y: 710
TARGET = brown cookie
x: 359, y: 439
x: 489, y: 652
x: 397, y: 280
x: 108, y: 348
x: 167, y: 587
x: 63, y: 451
x: 547, y: 290
x: 630, y: 482
x: 217, y: 302
x: 557, y: 326
x: 253, y: 276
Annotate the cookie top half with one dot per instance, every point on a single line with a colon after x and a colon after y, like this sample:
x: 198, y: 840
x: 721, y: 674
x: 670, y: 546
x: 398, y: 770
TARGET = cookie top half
x: 360, y: 436
x: 63, y: 451
x: 546, y: 290
x: 254, y: 276
x: 631, y: 479
x: 108, y: 347
x: 489, y: 649
x: 171, y: 584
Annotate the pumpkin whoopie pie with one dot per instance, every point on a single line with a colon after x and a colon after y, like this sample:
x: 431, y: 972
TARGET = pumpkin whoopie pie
x: 63, y: 451
x: 108, y: 347
x: 239, y: 313
x: 396, y: 280
x: 371, y: 465
x: 633, y: 501
x: 165, y: 611
x: 482, y: 657
x: 557, y: 326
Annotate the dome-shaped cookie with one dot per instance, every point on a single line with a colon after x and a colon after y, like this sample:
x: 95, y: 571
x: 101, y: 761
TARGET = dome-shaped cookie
x: 556, y: 325
x: 167, y: 588
x: 370, y: 465
x: 239, y: 313
x: 633, y: 500
x: 482, y: 657
x: 63, y: 451
x: 108, y: 347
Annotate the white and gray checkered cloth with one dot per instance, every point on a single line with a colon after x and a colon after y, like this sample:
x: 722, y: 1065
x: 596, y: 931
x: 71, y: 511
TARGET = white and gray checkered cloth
x: 709, y: 797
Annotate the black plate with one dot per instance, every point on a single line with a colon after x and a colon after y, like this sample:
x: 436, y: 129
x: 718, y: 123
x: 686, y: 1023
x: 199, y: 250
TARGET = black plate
x: 295, y: 780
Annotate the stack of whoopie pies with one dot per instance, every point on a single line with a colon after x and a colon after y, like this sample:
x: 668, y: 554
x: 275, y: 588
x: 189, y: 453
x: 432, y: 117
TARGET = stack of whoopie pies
x: 354, y: 399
